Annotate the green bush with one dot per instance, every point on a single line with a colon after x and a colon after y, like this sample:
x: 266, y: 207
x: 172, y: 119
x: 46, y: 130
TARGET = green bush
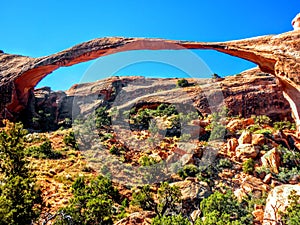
x: 224, y: 163
x: 20, y: 199
x: 170, y: 220
x: 262, y: 120
x: 92, y: 202
x: 248, y: 166
x: 102, y: 118
x: 283, y: 125
x: 292, y: 215
x: 223, y: 209
x: 70, y: 140
x: 43, y: 151
x: 182, y: 83
x: 188, y: 171
x: 167, y: 199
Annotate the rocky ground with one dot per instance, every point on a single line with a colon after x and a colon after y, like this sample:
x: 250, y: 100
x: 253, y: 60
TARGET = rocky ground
x: 248, y: 146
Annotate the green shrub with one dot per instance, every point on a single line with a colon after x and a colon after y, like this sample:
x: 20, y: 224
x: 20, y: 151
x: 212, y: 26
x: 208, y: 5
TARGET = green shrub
x: 262, y: 120
x: 188, y: 171
x: 223, y: 209
x: 224, y: 163
x: 70, y: 140
x: 182, y: 83
x: 170, y: 220
x: 167, y: 199
x: 102, y: 118
x: 147, y: 161
x: 248, y: 166
x: 292, y: 215
x: 92, y: 202
x: 285, y: 174
x: 284, y: 125
x: 114, y: 150
x: 43, y: 151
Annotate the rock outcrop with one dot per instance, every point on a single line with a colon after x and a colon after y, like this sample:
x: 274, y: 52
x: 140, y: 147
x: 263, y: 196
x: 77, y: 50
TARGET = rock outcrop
x: 296, y: 22
x: 244, y: 95
x: 275, y: 54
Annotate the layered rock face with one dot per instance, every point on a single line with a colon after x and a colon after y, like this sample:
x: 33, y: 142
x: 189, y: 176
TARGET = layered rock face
x: 275, y: 54
x: 250, y: 93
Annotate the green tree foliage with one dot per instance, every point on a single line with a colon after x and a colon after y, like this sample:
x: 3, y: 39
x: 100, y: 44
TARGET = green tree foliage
x: 168, y: 198
x: 188, y: 171
x: 102, y: 118
x: 218, y: 130
x: 170, y: 220
x: 292, y: 215
x: 70, y: 140
x: 92, y: 202
x: 19, y: 196
x: 182, y: 83
x: 248, y: 166
x: 223, y: 209
x: 43, y: 151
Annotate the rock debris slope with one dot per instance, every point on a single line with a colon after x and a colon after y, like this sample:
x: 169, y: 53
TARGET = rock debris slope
x: 275, y: 54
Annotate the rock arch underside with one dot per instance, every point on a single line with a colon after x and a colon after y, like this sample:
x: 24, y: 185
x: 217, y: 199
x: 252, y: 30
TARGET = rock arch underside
x: 278, y: 55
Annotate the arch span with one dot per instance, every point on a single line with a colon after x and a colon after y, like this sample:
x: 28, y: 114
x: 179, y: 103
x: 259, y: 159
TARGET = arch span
x: 275, y: 54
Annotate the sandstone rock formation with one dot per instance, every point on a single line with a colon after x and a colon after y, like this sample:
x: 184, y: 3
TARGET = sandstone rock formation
x: 296, y: 22
x: 244, y: 95
x: 275, y: 54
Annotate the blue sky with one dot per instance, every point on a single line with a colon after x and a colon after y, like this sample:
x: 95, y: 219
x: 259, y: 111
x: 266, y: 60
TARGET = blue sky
x: 39, y: 28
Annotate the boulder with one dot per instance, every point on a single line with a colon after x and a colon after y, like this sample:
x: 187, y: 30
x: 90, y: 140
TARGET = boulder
x: 271, y: 160
x: 246, y: 151
x: 277, y: 202
x: 258, y: 139
x: 232, y: 145
x: 245, y: 138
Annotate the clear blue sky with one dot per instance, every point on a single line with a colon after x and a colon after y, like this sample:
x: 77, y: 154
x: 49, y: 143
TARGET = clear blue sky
x: 39, y: 28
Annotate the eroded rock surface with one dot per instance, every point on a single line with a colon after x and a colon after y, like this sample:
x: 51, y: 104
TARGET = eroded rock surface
x: 244, y: 95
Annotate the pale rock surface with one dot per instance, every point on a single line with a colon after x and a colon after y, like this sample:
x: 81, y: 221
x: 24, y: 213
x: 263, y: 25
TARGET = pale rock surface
x: 278, y: 201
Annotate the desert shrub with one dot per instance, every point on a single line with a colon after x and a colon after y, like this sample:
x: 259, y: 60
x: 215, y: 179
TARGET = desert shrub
x: 102, y: 118
x: 146, y: 160
x: 262, y: 120
x: 286, y: 174
x: 221, y: 209
x: 44, y: 151
x: 188, y: 171
x: 282, y: 125
x: 217, y: 129
x: 224, y: 163
x: 70, y: 140
x: 167, y: 199
x: 114, y: 150
x: 92, y: 202
x: 182, y: 83
x: 20, y: 198
x: 248, y: 166
x: 290, y: 158
x: 215, y: 76
x: 170, y: 220
x: 292, y: 214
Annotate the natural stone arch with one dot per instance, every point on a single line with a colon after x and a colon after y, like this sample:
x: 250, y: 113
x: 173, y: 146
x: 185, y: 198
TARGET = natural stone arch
x: 275, y: 54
